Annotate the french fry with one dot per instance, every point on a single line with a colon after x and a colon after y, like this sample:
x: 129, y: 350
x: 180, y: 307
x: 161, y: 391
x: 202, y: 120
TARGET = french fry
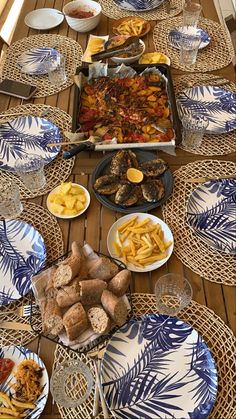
x: 24, y: 405
x: 11, y: 412
x: 6, y: 416
x: 123, y: 226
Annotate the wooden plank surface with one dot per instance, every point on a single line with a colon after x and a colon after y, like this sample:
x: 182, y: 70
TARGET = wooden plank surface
x: 94, y: 225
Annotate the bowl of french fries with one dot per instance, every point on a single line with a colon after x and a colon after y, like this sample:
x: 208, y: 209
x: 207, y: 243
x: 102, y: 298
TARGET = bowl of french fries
x: 142, y: 241
x: 131, y: 25
x: 68, y: 200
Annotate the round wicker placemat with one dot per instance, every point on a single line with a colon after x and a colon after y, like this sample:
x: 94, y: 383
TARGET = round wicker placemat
x: 71, y: 50
x: 59, y: 169
x: 211, y: 265
x: 48, y: 227
x: 215, y: 332
x: 110, y: 9
x: 212, y: 145
x: 218, y: 54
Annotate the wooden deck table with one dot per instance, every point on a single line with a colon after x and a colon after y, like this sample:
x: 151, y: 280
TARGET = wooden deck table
x: 221, y: 299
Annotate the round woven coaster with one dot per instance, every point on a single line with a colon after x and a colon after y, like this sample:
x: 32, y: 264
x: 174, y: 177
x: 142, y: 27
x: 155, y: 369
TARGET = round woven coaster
x: 48, y: 227
x: 211, y: 265
x: 215, y: 332
x: 110, y: 9
x: 59, y: 169
x: 218, y: 54
x: 212, y: 145
x: 71, y: 50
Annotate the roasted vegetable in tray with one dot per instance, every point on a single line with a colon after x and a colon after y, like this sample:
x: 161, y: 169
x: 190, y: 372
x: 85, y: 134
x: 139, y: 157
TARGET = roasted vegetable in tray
x: 129, y: 109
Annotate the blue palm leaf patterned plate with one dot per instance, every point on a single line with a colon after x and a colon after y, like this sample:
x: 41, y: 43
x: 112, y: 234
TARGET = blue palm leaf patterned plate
x: 211, y: 214
x: 22, y: 255
x: 27, y: 135
x: 138, y: 5
x: 214, y: 103
x: 33, y: 61
x: 174, y: 36
x: 18, y: 354
x: 157, y: 366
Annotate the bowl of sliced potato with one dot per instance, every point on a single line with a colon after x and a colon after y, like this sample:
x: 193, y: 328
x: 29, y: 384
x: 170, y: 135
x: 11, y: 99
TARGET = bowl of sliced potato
x: 68, y: 200
x: 154, y: 58
x: 131, y: 25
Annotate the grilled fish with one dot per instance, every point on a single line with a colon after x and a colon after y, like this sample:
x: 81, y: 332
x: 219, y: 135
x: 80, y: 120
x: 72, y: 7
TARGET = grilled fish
x: 153, y: 168
x: 128, y: 194
x: 122, y: 161
x: 153, y: 190
x: 107, y: 184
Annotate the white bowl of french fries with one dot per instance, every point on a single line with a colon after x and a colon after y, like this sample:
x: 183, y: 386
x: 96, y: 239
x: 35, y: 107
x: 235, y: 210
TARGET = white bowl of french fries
x: 142, y: 241
x: 68, y: 200
x: 131, y: 25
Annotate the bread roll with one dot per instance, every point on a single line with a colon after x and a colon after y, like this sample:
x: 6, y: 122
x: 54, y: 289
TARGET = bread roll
x: 115, y: 307
x: 103, y: 268
x: 40, y: 282
x: 75, y: 321
x: 91, y: 291
x: 52, y: 317
x: 99, y: 319
x: 66, y: 271
x: 69, y: 294
x: 120, y: 283
x: 50, y: 290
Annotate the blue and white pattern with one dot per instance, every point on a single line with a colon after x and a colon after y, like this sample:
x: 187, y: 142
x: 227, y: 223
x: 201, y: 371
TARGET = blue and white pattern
x: 214, y: 103
x: 158, y: 367
x: 175, y: 35
x: 22, y: 255
x: 33, y: 61
x: 138, y: 5
x: 27, y: 135
x: 211, y: 213
x: 18, y: 354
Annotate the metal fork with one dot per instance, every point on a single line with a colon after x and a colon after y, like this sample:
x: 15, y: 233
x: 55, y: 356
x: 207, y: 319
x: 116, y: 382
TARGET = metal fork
x: 22, y: 311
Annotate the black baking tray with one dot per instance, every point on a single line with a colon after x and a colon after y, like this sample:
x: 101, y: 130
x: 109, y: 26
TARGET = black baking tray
x: 165, y: 70
x: 36, y: 322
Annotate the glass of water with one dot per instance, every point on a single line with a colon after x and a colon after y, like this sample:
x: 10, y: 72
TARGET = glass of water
x: 189, y: 45
x: 173, y: 293
x: 191, y: 13
x: 10, y: 204
x: 30, y: 169
x: 194, y: 128
x: 56, y: 69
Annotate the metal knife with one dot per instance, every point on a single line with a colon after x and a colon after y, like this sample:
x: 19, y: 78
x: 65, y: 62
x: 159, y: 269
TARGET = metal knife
x: 15, y: 326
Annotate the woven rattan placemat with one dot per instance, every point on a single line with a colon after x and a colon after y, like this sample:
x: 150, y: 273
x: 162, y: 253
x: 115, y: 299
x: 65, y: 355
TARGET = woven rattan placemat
x: 71, y: 50
x: 212, y: 145
x: 48, y: 227
x: 218, y: 54
x: 211, y: 265
x: 59, y: 169
x: 110, y: 9
x: 215, y: 332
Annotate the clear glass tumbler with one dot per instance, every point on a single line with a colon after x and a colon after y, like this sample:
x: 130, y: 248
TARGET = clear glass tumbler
x: 30, y: 169
x: 56, y: 69
x: 189, y: 45
x: 10, y: 204
x: 191, y: 13
x: 194, y: 128
x: 173, y: 293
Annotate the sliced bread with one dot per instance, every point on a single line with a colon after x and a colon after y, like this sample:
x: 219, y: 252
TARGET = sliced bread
x: 91, y: 291
x: 115, y: 307
x: 99, y: 319
x: 69, y: 294
x: 66, y: 271
x: 120, y: 283
x: 75, y: 321
x: 52, y: 318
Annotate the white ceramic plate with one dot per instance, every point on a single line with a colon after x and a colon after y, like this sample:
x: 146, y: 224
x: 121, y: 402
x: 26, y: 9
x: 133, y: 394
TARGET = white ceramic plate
x: 87, y: 195
x: 18, y: 354
x: 43, y: 19
x: 112, y: 237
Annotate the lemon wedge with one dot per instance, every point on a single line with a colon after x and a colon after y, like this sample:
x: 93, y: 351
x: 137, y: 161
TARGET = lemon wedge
x: 134, y: 175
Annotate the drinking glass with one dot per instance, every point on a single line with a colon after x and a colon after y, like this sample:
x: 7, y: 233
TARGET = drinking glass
x: 191, y: 13
x: 189, y: 45
x: 10, y: 204
x: 194, y: 128
x: 173, y: 293
x: 30, y: 169
x: 56, y: 69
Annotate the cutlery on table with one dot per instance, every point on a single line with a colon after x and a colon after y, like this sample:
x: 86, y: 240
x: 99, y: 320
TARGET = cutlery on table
x: 96, y: 357
x: 9, y: 116
x: 22, y: 311
x: 15, y: 326
x: 99, y: 386
x: 207, y: 178
x: 128, y: 45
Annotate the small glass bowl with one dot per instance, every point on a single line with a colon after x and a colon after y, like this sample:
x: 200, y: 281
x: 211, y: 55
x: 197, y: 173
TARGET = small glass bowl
x: 71, y: 383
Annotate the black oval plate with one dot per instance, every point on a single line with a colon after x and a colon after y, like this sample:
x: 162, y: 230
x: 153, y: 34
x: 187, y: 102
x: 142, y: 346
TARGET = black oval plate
x: 102, y: 168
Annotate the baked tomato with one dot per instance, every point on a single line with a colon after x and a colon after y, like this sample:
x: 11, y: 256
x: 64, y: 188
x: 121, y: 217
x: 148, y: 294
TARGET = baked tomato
x: 6, y: 366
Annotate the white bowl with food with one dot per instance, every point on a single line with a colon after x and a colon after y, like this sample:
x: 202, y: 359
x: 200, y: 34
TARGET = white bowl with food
x: 149, y: 247
x: 82, y: 15
x: 127, y: 57
x: 154, y: 58
x: 68, y: 200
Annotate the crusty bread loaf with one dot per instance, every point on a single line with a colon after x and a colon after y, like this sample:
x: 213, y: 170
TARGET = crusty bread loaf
x: 120, y: 283
x: 52, y: 317
x: 115, y: 307
x: 66, y: 271
x: 50, y: 290
x: 91, y: 291
x: 103, y: 268
x: 40, y: 282
x: 99, y: 319
x: 75, y: 321
x: 69, y: 294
